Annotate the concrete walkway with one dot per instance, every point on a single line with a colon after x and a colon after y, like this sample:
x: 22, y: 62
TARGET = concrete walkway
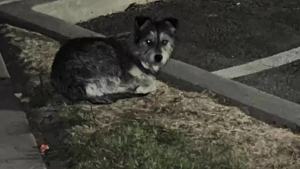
x: 18, y: 148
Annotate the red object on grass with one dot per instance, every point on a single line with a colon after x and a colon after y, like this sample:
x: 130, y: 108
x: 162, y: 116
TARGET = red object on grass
x: 43, y: 148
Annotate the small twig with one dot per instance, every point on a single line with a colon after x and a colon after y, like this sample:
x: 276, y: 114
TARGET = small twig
x: 42, y: 85
x: 93, y: 114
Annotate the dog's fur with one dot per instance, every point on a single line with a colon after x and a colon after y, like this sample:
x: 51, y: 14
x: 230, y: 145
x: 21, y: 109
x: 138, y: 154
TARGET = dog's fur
x: 104, y: 70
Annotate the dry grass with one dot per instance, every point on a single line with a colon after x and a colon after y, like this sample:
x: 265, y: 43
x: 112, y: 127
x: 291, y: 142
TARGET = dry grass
x: 265, y: 146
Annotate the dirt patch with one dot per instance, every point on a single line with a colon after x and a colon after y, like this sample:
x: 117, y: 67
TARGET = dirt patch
x: 214, y: 35
x: 204, y: 121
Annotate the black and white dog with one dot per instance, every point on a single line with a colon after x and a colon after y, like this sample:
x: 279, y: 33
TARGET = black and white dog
x: 104, y: 70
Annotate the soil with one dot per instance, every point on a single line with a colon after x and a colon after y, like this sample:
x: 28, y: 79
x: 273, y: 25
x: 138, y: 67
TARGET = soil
x: 218, y: 34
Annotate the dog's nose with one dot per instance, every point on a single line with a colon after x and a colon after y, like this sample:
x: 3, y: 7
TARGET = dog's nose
x: 158, y: 58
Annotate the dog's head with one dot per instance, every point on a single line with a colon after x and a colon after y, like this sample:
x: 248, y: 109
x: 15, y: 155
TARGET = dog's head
x: 155, y: 41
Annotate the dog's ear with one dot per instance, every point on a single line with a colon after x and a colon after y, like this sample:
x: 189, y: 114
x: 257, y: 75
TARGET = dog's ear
x: 141, y: 22
x: 172, y: 22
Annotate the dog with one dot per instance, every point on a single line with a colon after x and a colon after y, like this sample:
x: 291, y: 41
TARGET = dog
x: 103, y: 70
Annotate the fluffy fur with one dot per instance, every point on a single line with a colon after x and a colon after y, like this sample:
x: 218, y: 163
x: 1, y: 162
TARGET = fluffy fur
x: 104, y: 70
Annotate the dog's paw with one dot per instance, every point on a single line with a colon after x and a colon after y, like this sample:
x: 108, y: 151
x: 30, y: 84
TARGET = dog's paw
x: 145, y: 89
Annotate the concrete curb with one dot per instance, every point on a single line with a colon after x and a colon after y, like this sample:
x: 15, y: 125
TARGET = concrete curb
x: 259, y: 104
x: 44, y: 24
x: 18, y: 146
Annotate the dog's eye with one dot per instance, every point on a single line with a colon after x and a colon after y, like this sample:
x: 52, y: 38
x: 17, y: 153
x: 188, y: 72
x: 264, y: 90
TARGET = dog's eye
x: 165, y: 42
x: 149, y: 42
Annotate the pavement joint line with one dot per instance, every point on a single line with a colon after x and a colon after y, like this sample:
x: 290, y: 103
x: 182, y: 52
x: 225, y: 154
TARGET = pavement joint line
x: 259, y: 104
x: 259, y: 65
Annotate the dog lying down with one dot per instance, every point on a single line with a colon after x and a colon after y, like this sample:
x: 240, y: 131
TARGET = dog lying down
x: 105, y: 70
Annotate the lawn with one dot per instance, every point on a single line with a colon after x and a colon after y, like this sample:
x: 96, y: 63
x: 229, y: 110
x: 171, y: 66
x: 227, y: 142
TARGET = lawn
x: 138, y: 143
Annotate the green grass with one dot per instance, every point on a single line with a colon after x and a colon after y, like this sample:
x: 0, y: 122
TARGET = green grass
x: 140, y: 144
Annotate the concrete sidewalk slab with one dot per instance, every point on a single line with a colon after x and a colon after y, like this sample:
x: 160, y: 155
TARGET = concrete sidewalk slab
x: 18, y: 148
